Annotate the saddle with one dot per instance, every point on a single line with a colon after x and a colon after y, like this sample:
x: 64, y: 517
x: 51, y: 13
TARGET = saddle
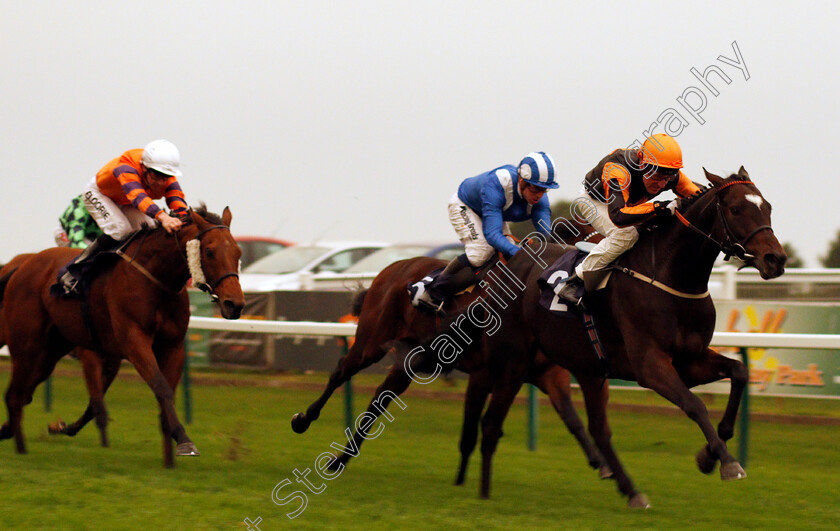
x: 88, y: 270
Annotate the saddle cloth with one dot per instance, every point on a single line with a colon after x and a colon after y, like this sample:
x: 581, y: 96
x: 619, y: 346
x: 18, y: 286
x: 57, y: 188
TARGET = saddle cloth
x: 553, y: 279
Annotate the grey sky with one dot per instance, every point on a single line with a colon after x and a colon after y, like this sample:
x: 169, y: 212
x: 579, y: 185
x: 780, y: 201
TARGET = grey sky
x: 357, y: 120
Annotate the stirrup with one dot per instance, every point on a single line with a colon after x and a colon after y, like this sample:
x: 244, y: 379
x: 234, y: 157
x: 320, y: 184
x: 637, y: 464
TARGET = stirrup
x: 568, y: 293
x: 69, y: 283
x: 420, y: 297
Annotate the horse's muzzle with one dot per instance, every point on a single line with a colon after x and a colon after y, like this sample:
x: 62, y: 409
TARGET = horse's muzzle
x: 230, y: 309
x: 771, y: 265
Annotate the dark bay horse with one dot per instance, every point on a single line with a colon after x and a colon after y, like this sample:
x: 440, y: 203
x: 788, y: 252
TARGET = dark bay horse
x: 137, y: 309
x: 654, y: 332
x: 387, y: 318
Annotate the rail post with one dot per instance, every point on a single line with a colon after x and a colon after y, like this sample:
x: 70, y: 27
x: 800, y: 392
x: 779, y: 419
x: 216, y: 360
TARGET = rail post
x: 48, y: 394
x: 186, y: 386
x: 744, y: 437
x: 533, y: 417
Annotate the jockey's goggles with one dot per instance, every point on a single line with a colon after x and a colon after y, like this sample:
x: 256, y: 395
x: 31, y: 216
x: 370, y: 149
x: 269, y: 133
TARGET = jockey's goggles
x: 156, y: 175
x: 535, y: 189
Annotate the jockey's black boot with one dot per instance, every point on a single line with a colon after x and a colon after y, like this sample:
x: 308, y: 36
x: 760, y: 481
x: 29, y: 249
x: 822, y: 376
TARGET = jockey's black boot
x: 70, y: 280
x: 570, y: 290
x: 457, y: 276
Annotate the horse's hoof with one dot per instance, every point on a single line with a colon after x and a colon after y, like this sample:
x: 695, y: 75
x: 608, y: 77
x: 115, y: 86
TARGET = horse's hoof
x: 58, y: 427
x: 731, y: 471
x: 639, y: 501
x: 705, y: 461
x: 299, y: 423
x: 605, y: 472
x: 188, y: 449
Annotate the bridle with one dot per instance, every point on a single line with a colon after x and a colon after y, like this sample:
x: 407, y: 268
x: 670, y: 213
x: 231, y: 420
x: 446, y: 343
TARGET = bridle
x: 197, y: 271
x: 731, y: 245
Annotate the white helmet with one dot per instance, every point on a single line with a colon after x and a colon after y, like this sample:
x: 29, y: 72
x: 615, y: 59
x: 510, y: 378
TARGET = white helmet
x: 162, y: 156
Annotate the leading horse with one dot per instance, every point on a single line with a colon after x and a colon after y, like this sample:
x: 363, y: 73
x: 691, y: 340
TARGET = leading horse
x: 137, y: 308
x: 655, y: 318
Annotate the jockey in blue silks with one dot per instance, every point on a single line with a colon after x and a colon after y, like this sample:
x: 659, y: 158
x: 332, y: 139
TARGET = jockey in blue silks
x: 480, y: 211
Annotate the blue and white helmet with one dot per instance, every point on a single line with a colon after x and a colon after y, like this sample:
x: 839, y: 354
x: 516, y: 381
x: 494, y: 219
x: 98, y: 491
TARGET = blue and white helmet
x: 538, y: 169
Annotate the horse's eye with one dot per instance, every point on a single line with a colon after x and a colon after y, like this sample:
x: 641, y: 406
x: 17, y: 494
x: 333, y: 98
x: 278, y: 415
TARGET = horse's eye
x: 209, y: 253
x: 735, y: 211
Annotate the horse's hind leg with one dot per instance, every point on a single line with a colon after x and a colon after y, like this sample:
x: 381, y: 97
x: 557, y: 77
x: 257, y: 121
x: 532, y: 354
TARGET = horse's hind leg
x: 711, y: 368
x: 595, y: 394
x: 394, y: 385
x: 476, y: 396
x: 555, y: 382
x: 30, y: 367
x: 364, y: 352
x: 505, y: 386
x: 98, y: 378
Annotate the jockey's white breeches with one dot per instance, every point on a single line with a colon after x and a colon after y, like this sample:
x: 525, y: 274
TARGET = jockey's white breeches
x: 116, y: 221
x: 617, y: 240
x: 470, y: 230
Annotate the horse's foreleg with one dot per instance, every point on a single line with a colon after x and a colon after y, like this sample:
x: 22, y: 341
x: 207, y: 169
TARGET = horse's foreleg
x: 657, y: 373
x: 146, y: 364
x: 476, y: 396
x: 360, y: 356
x: 556, y: 383
x: 172, y: 366
x: 710, y: 368
x: 394, y: 385
x: 595, y: 394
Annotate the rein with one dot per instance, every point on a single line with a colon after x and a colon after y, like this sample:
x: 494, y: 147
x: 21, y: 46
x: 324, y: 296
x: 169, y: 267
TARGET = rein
x: 146, y: 273
x: 731, y: 246
x: 196, y: 271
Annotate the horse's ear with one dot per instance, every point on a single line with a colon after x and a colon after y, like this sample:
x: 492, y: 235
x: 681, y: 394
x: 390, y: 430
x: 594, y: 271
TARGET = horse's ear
x: 197, y: 219
x: 743, y: 173
x: 226, y: 216
x: 714, y: 179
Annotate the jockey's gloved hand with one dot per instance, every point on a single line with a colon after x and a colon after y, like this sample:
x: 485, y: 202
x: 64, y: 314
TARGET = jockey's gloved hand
x: 665, y: 208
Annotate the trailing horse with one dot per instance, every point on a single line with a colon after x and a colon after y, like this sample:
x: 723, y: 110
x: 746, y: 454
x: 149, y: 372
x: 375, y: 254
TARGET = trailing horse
x: 137, y: 308
x: 656, y: 331
x: 387, y: 319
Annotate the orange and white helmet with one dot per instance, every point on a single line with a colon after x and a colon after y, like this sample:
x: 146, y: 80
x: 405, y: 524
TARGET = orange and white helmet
x: 162, y: 156
x: 661, y: 150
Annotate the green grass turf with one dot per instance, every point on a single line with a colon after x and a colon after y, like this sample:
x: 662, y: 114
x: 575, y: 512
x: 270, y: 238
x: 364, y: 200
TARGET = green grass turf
x: 403, y: 479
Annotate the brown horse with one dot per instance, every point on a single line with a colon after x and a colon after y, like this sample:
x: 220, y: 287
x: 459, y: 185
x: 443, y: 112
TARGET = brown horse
x: 137, y: 308
x: 98, y: 376
x: 386, y: 318
x: 655, y: 332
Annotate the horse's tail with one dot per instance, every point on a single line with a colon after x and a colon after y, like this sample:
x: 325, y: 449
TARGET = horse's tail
x: 4, y: 279
x: 358, y: 301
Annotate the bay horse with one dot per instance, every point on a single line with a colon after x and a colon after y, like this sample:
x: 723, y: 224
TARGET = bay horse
x: 98, y: 376
x: 137, y: 308
x: 655, y: 330
x: 387, y: 318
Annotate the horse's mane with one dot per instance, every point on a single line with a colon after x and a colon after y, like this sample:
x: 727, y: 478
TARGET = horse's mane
x: 208, y: 216
x: 704, y: 189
